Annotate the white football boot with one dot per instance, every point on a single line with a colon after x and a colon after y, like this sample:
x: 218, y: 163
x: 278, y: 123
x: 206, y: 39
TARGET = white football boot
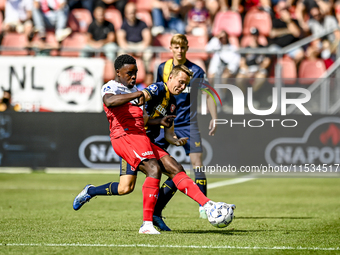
x: 148, y: 228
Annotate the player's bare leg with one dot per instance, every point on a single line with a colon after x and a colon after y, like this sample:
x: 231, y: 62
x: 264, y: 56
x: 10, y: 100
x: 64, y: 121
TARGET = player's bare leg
x: 126, y: 184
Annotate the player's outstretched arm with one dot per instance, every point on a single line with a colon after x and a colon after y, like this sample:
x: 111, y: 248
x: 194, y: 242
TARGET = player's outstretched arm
x: 111, y: 100
x: 213, y: 112
x: 165, y: 121
x: 170, y: 136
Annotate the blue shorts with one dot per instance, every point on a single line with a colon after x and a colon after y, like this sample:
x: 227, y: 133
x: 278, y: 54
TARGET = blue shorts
x: 126, y: 169
x: 194, y: 144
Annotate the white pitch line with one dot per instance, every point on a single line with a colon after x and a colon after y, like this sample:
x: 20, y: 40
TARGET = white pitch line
x: 174, y: 246
x: 36, y: 188
x: 229, y: 182
x: 210, y: 186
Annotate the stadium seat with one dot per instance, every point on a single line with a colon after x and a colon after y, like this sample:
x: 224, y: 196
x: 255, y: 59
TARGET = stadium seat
x: 246, y: 40
x: 200, y: 63
x: 197, y: 43
x: 14, y: 44
x: 163, y: 40
x: 288, y: 71
x: 2, y: 5
x: 223, y: 21
x: 143, y: 5
x: 113, y: 15
x: 51, y: 43
x: 79, y: 20
x: 146, y: 17
x: 233, y: 40
x: 141, y: 70
x: 311, y: 70
x: 72, y: 45
x: 259, y: 19
x: 109, y: 72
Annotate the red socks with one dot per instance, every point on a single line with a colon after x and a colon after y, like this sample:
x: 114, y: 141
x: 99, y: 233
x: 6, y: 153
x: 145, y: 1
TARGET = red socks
x: 189, y: 188
x: 150, y: 191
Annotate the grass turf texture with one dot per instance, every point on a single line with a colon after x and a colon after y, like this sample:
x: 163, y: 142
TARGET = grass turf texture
x: 36, y: 209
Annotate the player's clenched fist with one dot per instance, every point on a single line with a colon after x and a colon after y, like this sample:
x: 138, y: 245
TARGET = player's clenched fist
x: 168, y: 120
x: 181, y: 141
x: 141, y: 99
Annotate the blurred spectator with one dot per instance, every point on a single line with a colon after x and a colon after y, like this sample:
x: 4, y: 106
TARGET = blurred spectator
x: 318, y: 24
x: 253, y: 65
x: 305, y: 6
x: 213, y: 6
x: 100, y: 36
x: 86, y: 4
x: 6, y: 102
x: 225, y: 60
x: 135, y: 35
x: 51, y: 14
x: 246, y: 5
x: 148, y: 80
x: 118, y: 4
x: 285, y: 31
x: 18, y: 18
x: 233, y: 5
x: 337, y: 11
x: 199, y: 21
x: 166, y: 16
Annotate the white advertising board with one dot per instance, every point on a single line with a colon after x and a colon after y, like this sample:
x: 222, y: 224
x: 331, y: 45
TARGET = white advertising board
x: 56, y: 84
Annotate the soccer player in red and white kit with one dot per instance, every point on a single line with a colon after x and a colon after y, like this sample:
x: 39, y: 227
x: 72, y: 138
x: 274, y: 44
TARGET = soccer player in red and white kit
x: 122, y: 104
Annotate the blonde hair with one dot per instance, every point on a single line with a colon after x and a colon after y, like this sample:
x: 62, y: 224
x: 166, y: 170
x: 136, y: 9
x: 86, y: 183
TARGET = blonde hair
x: 179, y: 39
x: 180, y: 68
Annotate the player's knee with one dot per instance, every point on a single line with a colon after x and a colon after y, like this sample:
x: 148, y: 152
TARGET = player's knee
x: 153, y: 169
x: 127, y: 189
x: 174, y: 168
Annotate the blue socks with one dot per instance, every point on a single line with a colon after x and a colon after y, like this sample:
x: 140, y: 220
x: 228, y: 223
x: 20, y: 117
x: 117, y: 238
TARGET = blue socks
x: 108, y: 189
x: 169, y: 189
x: 166, y: 192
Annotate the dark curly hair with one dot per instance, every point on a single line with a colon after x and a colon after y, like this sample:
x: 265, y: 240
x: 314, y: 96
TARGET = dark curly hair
x: 124, y: 59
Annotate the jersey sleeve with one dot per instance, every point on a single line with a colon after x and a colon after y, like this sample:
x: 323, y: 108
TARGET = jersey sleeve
x: 160, y: 73
x: 109, y: 88
x: 200, y: 79
x: 153, y: 90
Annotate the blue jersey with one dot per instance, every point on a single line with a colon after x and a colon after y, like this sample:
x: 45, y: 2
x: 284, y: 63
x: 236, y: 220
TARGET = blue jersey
x: 161, y: 104
x: 187, y: 100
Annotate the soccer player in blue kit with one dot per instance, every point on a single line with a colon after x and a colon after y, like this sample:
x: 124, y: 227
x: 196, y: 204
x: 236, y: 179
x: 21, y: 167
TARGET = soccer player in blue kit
x: 185, y: 123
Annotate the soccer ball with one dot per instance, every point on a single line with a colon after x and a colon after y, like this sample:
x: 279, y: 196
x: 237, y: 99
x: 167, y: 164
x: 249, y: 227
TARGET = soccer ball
x: 220, y: 215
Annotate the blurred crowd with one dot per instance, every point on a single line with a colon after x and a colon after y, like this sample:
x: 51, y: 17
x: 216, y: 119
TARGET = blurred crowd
x: 219, y: 27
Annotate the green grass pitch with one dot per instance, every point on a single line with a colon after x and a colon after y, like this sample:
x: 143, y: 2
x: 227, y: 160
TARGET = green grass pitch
x: 273, y: 216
